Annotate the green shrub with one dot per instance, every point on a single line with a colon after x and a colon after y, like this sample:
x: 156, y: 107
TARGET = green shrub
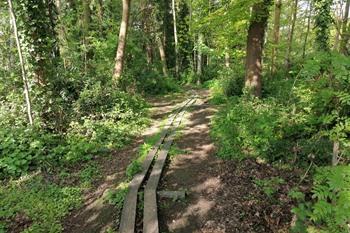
x: 329, y: 211
x: 247, y: 128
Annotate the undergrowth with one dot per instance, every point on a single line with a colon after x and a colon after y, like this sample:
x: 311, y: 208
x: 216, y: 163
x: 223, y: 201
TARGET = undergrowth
x: 297, y: 122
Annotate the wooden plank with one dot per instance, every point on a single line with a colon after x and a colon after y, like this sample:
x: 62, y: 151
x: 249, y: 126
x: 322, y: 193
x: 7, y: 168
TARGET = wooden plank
x: 128, y: 217
x: 175, y: 195
x: 150, y: 214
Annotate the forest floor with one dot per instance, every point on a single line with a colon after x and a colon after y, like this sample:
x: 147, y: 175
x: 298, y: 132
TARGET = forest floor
x: 223, y: 195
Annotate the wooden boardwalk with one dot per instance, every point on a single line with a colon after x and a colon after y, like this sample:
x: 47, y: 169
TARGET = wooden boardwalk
x: 161, y: 149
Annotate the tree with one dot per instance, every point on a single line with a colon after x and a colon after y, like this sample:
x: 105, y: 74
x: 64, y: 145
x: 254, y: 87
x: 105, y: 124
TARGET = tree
x: 276, y: 34
x: 24, y: 74
x: 323, y: 20
x: 199, y: 58
x: 345, y: 31
x: 175, y: 39
x: 119, y: 61
x: 291, y: 33
x: 307, y: 28
x: 255, y: 41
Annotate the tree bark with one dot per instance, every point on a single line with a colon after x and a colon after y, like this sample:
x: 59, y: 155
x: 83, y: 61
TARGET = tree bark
x: 291, y: 34
x: 276, y: 34
x: 162, y: 56
x: 338, y: 19
x: 24, y: 74
x: 227, y: 58
x: 256, y: 34
x: 175, y: 39
x: 345, y: 31
x: 199, y: 58
x: 118, y: 68
x: 308, y: 28
x: 100, y: 16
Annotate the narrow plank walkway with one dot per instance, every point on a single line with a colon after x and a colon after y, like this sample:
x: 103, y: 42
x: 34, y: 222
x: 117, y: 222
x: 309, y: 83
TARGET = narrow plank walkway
x: 150, y: 216
x: 127, y: 224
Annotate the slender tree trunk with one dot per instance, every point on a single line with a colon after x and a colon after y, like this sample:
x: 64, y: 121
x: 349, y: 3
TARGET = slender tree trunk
x: 291, y: 35
x: 162, y: 56
x: 338, y: 23
x: 345, y: 31
x: 100, y: 16
x: 335, y: 156
x: 227, y: 58
x: 175, y: 39
x: 146, y: 17
x: 276, y: 34
x: 308, y: 28
x: 256, y: 34
x: 24, y: 74
x: 199, y: 58
x: 118, y: 68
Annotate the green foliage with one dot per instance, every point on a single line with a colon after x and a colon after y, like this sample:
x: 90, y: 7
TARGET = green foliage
x: 43, y: 204
x: 296, y: 194
x: 104, y: 118
x: 329, y: 210
x: 116, y: 197
x: 247, y: 128
x: 148, y: 82
x: 269, y: 186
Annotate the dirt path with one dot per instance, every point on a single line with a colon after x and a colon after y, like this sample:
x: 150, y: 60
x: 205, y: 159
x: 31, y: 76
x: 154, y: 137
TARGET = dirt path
x: 223, y: 196
x: 96, y: 215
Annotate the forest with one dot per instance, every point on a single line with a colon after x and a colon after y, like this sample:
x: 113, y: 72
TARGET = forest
x: 212, y: 116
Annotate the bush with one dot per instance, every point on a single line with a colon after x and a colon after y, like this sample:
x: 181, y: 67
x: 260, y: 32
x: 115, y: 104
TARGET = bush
x: 247, y: 128
x: 329, y: 211
x: 103, y: 118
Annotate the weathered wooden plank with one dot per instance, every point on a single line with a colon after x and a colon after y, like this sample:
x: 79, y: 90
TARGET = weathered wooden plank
x: 150, y: 215
x: 128, y: 217
x: 176, y: 195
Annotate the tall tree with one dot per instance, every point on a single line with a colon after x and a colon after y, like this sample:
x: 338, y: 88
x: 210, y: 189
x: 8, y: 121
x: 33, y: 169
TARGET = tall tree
x: 255, y: 41
x: 345, y: 30
x: 86, y: 21
x: 291, y: 33
x: 175, y: 39
x: 323, y: 20
x: 276, y: 34
x: 199, y: 58
x: 307, y: 28
x: 119, y: 61
x: 24, y: 73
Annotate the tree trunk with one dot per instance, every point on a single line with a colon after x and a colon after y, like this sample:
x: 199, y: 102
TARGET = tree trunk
x: 175, y: 40
x: 100, y: 16
x: 227, y: 59
x: 24, y: 74
x: 256, y: 34
x: 345, y: 31
x: 308, y: 28
x: 162, y: 56
x: 338, y: 19
x: 276, y: 34
x: 118, y: 68
x: 199, y: 58
x: 291, y: 34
